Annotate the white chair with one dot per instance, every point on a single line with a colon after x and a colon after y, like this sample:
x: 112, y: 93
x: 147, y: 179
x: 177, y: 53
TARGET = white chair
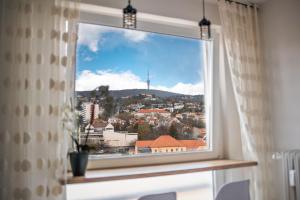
x: 234, y: 191
x: 165, y: 196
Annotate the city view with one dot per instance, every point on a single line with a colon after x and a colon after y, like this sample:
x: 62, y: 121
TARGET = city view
x: 135, y: 96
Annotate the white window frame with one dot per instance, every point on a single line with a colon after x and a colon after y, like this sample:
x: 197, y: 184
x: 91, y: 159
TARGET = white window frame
x: 98, y: 15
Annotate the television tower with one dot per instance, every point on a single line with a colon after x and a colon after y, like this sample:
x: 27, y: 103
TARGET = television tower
x: 148, y: 82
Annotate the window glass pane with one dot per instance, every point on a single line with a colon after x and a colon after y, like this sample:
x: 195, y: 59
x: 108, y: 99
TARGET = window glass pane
x: 139, y: 92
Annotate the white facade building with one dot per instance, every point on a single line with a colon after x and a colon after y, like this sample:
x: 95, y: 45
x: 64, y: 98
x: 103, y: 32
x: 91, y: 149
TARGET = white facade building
x: 109, y: 136
x: 118, y: 139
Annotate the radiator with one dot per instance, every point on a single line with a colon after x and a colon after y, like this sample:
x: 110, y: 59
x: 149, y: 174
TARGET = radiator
x: 291, y: 166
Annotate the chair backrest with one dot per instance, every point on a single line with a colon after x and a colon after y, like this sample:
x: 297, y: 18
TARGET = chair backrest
x: 234, y: 191
x: 165, y: 196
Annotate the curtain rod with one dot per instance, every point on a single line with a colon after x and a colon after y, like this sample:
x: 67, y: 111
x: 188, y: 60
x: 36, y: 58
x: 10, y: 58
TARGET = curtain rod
x: 240, y: 3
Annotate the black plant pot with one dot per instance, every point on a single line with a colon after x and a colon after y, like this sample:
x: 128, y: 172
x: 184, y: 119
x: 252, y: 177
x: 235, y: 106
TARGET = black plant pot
x: 79, y: 161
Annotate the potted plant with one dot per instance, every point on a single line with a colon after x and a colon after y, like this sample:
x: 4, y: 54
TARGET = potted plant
x: 79, y: 158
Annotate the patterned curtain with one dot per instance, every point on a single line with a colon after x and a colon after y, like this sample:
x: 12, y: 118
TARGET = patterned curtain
x: 37, y: 57
x: 241, y: 35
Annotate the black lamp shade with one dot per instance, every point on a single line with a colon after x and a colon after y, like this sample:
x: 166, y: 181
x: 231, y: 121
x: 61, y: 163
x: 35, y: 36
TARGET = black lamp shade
x: 129, y: 17
x: 205, y: 33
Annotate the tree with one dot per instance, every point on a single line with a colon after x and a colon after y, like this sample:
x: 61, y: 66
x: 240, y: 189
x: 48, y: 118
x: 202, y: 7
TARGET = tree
x: 103, y: 90
x: 125, y: 116
x: 173, y: 130
x: 145, y: 132
x: 101, y: 95
x: 133, y: 128
x: 161, y: 130
x: 109, y: 107
x: 199, y: 124
x: 144, y: 128
x: 117, y: 126
x: 93, y: 94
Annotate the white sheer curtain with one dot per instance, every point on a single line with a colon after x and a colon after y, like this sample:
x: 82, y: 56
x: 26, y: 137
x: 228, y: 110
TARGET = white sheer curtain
x: 37, y: 40
x: 241, y: 35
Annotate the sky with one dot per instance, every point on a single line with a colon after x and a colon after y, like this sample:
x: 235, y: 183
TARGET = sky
x: 121, y: 59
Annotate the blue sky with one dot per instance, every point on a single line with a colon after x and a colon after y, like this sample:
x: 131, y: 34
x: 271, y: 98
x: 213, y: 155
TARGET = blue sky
x: 121, y: 58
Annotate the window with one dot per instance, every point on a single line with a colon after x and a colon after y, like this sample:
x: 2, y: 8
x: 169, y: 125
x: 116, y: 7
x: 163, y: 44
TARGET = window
x: 98, y: 42
x: 142, y: 90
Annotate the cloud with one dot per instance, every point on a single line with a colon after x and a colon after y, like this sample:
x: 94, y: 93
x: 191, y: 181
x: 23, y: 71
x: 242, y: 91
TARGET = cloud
x: 88, y: 80
x: 91, y: 35
x: 135, y: 36
x: 88, y: 58
x: 184, y: 88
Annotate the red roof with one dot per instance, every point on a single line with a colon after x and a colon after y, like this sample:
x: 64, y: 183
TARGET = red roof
x: 169, y: 141
x: 166, y: 141
x: 153, y: 111
x: 143, y: 143
x: 193, y: 144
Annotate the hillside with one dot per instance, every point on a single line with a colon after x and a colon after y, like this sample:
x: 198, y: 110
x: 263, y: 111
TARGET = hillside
x: 135, y: 92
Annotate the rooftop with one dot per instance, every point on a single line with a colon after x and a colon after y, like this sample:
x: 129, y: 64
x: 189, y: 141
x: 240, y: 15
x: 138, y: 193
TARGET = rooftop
x: 153, y: 111
x: 98, y: 123
x: 193, y: 144
x: 169, y: 141
x: 166, y: 141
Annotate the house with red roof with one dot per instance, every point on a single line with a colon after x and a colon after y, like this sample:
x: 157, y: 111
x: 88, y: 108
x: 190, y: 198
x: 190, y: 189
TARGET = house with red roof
x: 168, y: 144
x: 152, y: 113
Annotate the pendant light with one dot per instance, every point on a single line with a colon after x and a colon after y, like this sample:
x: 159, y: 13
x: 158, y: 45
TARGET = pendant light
x: 204, y: 25
x: 129, y: 16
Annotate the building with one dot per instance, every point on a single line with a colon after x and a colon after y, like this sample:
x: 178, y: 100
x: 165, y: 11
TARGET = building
x: 102, y: 134
x: 95, y: 132
x: 202, y: 117
x: 178, y: 106
x: 168, y: 144
x: 86, y: 113
x: 98, y: 126
x: 118, y: 139
x: 152, y: 113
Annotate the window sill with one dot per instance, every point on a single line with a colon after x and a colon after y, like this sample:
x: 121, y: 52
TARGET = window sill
x: 154, y: 171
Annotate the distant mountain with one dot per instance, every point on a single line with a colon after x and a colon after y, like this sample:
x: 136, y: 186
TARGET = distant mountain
x: 135, y: 92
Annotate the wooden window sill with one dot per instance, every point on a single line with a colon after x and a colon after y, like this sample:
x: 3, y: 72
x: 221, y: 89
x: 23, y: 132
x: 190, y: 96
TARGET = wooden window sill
x: 154, y: 171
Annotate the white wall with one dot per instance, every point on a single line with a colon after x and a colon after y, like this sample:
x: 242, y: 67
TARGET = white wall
x: 187, y: 9
x: 195, y: 186
x: 281, y: 42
